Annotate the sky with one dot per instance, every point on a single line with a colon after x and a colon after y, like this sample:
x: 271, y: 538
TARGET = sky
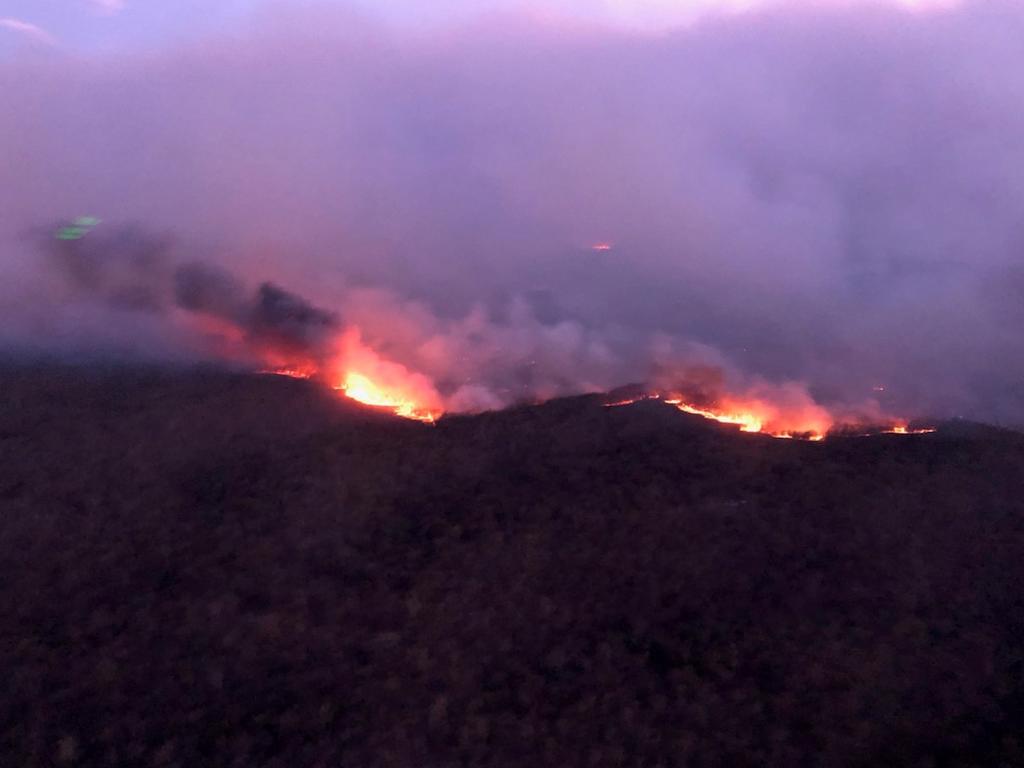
x: 122, y: 25
x: 815, y: 197
x: 119, y: 25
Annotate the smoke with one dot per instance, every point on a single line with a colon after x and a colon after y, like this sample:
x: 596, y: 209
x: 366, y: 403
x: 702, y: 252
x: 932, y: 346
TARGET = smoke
x: 272, y: 317
x: 131, y: 270
x: 792, y: 195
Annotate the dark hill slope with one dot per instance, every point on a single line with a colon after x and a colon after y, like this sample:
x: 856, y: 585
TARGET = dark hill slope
x: 208, y: 569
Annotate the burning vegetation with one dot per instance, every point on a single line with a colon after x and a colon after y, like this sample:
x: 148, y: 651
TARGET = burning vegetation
x: 277, y: 331
x: 768, y: 419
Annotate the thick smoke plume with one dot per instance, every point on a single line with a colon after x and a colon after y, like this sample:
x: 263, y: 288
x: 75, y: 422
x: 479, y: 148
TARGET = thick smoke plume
x: 818, y: 206
x: 273, y: 316
x: 127, y: 268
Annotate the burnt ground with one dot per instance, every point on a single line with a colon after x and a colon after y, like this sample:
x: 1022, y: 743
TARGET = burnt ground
x: 207, y: 569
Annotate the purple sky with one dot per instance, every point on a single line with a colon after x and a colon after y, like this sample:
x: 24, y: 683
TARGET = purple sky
x: 811, y: 193
x: 122, y: 25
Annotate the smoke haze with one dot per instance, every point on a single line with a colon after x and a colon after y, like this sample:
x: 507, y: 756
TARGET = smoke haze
x: 824, y: 205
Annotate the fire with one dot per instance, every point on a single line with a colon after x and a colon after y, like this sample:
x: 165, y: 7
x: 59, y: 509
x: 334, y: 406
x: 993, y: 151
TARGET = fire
x: 782, y: 413
x: 363, y: 375
x: 292, y: 373
x: 808, y: 423
x: 347, y: 364
x: 409, y: 395
x: 903, y: 429
x: 804, y: 422
x: 747, y: 422
x: 363, y: 389
x: 359, y: 387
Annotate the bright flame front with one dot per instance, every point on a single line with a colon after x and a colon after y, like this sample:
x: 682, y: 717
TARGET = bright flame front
x: 363, y: 389
x: 747, y: 422
x: 809, y: 422
x: 757, y: 416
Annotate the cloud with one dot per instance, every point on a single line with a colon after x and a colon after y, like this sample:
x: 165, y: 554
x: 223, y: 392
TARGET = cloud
x: 108, y: 7
x: 637, y: 15
x: 666, y: 10
x: 31, y: 31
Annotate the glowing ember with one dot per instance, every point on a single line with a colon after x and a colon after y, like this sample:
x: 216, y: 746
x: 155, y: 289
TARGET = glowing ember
x: 362, y: 389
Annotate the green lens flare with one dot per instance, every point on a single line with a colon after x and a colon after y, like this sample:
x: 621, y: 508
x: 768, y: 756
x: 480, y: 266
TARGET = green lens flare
x: 78, y: 228
x: 70, y: 233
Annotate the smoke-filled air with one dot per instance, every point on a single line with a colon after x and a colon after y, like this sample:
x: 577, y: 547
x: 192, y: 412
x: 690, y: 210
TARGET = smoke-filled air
x: 793, y: 217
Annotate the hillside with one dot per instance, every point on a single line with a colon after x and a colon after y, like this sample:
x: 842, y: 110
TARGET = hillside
x: 206, y: 568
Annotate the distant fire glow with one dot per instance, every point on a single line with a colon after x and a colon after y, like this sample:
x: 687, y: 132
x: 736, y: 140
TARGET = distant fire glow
x: 602, y: 246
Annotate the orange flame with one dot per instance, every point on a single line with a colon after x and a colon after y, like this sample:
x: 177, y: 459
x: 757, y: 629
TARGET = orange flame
x: 903, y: 429
x: 360, y: 388
x: 747, y: 422
x: 364, y: 390
x: 363, y: 375
x: 752, y: 416
x: 807, y: 421
x: 757, y: 416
